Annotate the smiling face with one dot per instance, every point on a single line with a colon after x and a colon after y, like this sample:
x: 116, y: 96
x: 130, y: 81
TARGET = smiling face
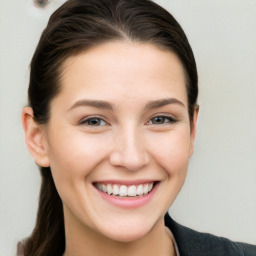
x: 119, y: 140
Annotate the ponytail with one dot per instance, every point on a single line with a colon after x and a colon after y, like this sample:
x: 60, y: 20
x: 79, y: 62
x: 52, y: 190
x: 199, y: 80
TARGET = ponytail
x: 48, y: 237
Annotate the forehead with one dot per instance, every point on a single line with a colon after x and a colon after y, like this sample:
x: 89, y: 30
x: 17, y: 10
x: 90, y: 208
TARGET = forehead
x: 126, y: 69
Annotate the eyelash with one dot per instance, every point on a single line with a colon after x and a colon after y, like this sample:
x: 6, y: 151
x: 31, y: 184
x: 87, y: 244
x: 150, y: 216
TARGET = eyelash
x: 88, y: 119
x: 167, y: 119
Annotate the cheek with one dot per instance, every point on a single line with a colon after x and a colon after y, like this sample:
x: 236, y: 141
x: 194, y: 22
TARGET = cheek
x: 173, y: 152
x: 73, y: 156
x: 172, y: 155
x: 73, y: 159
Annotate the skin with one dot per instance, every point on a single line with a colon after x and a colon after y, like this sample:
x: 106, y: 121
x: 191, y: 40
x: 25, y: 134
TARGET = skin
x: 127, y: 144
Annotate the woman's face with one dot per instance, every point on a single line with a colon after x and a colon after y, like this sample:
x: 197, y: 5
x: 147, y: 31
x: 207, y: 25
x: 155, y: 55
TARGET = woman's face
x: 119, y: 125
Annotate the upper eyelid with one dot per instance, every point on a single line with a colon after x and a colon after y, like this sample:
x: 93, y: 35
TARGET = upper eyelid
x: 84, y: 119
x: 166, y: 115
x: 173, y: 119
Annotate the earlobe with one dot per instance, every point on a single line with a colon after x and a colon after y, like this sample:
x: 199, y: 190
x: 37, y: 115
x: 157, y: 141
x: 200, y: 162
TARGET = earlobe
x: 193, y: 129
x: 35, y: 138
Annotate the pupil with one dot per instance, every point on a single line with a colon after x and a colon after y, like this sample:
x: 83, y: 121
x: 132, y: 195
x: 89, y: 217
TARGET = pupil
x: 158, y: 120
x: 94, y: 121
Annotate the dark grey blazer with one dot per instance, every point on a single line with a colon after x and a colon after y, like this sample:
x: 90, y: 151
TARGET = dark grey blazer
x: 193, y: 243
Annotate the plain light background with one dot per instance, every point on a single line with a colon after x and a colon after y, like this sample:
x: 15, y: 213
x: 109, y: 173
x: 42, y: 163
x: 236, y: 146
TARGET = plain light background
x: 219, y: 194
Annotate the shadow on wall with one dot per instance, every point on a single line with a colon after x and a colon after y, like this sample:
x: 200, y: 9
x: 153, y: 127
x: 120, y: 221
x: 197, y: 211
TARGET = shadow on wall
x: 40, y: 3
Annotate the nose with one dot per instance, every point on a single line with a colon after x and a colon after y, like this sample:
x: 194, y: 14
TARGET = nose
x: 129, y: 150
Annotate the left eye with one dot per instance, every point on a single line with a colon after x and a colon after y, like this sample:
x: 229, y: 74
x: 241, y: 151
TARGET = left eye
x: 94, y: 121
x: 161, y: 120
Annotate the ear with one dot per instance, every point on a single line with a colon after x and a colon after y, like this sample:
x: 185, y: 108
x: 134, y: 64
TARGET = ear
x: 193, y: 129
x: 35, y: 138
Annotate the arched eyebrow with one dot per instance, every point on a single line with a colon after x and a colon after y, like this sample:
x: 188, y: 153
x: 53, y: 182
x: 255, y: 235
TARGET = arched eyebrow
x: 93, y: 103
x: 163, y: 102
x: 107, y: 105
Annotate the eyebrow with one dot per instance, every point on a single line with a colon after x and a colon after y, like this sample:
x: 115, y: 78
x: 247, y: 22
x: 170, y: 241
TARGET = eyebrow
x: 163, y: 102
x: 107, y: 105
x: 93, y: 103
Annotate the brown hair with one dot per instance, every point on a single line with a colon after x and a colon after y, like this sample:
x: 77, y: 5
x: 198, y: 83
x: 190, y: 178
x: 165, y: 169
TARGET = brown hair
x: 75, y: 27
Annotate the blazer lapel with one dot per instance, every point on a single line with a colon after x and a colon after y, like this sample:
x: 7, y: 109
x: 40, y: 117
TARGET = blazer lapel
x: 193, y: 243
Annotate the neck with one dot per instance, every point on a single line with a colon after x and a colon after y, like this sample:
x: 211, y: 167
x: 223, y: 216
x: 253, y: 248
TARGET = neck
x: 81, y: 241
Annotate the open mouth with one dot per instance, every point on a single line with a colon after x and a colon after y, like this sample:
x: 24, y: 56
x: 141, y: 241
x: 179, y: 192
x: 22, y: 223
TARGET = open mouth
x: 126, y: 191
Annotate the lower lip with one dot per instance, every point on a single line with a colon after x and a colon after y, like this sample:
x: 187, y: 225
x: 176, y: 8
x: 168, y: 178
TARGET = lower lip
x: 129, y: 202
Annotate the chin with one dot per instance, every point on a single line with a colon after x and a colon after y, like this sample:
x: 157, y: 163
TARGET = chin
x: 127, y: 236
x: 126, y: 231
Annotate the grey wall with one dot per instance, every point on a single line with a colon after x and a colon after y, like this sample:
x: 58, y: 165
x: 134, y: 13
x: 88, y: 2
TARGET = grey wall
x: 219, y: 194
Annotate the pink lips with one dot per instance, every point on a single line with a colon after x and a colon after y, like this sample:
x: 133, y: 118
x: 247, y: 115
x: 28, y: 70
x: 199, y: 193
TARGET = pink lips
x: 129, y: 202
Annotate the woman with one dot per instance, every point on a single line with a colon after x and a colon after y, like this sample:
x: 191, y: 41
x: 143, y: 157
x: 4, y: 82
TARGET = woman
x: 111, y: 122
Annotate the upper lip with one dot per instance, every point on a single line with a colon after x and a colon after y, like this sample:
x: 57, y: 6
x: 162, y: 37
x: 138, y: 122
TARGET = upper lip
x: 126, y: 182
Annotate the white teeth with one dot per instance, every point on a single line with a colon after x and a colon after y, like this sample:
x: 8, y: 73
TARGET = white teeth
x: 123, y: 190
x: 145, y: 189
x: 132, y: 191
x: 98, y: 186
x: 115, y: 190
x: 140, y: 190
x: 109, y: 189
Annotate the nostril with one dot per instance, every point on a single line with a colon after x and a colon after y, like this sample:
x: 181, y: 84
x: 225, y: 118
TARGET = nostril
x: 131, y: 161
x: 129, y: 151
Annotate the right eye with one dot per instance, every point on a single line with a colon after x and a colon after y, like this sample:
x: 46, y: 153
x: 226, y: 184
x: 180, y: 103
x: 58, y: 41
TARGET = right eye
x: 93, y: 121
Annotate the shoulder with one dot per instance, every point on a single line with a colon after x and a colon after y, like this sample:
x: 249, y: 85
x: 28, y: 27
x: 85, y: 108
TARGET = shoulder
x: 193, y: 243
